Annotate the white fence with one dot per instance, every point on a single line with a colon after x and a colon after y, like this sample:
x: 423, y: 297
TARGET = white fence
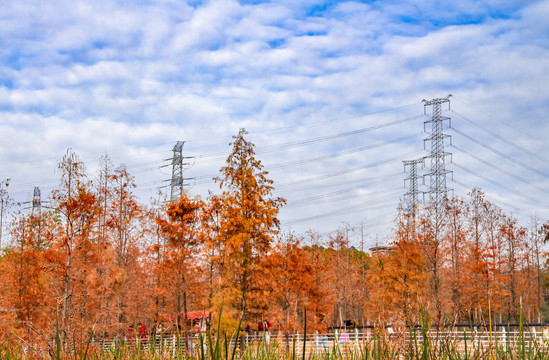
x: 355, y: 339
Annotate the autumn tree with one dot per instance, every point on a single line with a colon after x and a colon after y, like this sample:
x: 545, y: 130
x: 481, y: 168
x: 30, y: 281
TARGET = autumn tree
x: 80, y: 253
x: 180, y: 267
x: 214, y: 250
x: 23, y: 290
x: 534, y: 270
x: 124, y: 219
x: 249, y: 220
x: 476, y: 266
x: 483, y: 278
x: 289, y: 282
x: 454, y: 249
x: 398, y: 278
x: 345, y: 276
x: 73, y: 253
x: 156, y: 248
x: 320, y: 295
x: 516, y: 246
x: 430, y: 232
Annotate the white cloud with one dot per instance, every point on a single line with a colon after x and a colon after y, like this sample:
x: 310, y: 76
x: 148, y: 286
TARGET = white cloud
x: 132, y: 78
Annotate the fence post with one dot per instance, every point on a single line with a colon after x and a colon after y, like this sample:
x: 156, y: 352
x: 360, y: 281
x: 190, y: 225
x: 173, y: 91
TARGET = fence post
x: 296, y: 341
x: 504, y: 338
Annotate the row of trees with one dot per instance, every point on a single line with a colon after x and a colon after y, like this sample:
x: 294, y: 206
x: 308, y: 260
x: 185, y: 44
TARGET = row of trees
x: 475, y: 264
x: 97, y: 260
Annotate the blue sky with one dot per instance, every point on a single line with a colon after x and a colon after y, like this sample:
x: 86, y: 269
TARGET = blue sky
x: 131, y: 78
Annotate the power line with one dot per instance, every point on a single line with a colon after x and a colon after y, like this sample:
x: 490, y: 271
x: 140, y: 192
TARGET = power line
x: 332, y: 121
x: 365, y: 181
x: 313, y: 199
x: 343, y: 153
x: 502, y: 138
x: 205, y: 179
x: 498, y: 168
x: 500, y: 121
x: 293, y: 144
x: 499, y: 153
x: 534, y: 200
x: 351, y: 209
x: 501, y: 202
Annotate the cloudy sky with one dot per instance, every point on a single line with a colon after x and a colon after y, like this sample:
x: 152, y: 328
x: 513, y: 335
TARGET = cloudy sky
x: 330, y: 92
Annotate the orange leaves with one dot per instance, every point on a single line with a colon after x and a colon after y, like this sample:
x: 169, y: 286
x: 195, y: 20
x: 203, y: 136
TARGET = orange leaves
x: 82, y: 260
x: 475, y: 256
x: 178, y: 272
x: 290, y: 280
x: 248, y: 217
x: 23, y: 289
x: 398, y: 279
x: 182, y: 226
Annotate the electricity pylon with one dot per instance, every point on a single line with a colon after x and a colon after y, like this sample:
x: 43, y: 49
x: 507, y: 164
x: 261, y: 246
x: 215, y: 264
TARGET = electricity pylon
x: 437, y: 173
x: 36, y: 202
x: 177, y: 183
x: 177, y: 171
x: 411, y: 196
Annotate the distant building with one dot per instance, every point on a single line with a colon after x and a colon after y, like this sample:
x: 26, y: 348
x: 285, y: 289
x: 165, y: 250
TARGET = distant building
x: 381, y: 250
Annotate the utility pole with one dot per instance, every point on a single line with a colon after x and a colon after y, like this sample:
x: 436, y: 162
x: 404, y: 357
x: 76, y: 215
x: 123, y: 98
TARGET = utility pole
x: 437, y: 173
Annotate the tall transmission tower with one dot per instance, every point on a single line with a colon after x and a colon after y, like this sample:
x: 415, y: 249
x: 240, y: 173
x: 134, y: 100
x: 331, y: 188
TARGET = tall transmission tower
x: 36, y: 202
x: 37, y: 212
x: 412, y: 195
x: 437, y: 173
x: 177, y: 171
x: 5, y: 202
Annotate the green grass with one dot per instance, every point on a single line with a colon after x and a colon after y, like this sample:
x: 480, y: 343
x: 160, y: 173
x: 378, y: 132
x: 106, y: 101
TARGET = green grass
x: 218, y: 346
x: 420, y: 343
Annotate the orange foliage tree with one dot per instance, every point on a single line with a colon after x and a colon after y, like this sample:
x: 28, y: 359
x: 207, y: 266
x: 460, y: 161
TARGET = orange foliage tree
x: 290, y: 282
x: 179, y: 270
x: 320, y: 296
x: 71, y: 256
x: 214, y: 251
x: 27, y: 308
x: 248, y: 222
x: 346, y: 277
x: 82, y: 260
x: 454, y: 247
x: 398, y: 278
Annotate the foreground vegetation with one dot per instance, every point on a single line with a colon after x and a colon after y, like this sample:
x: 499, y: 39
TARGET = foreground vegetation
x: 417, y: 344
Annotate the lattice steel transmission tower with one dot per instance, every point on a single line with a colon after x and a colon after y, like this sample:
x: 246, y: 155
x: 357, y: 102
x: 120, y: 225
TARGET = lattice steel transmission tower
x: 411, y: 197
x: 177, y: 171
x: 36, y: 202
x: 437, y: 173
